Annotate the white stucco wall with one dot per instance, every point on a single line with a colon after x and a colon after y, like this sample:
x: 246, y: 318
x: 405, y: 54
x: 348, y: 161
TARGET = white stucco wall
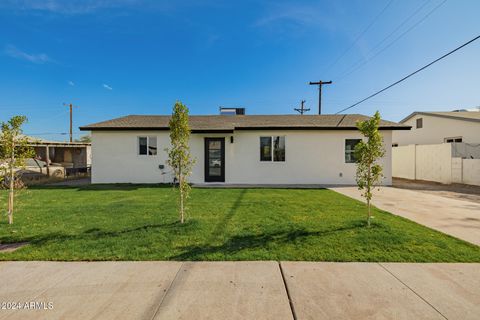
x: 434, y: 163
x: 423, y: 162
x: 436, y: 129
x: 312, y: 157
x: 471, y: 171
x: 457, y: 170
x: 403, y: 162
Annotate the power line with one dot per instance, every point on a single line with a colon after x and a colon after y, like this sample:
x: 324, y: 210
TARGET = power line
x: 411, y: 74
x: 359, y: 36
x: 391, y: 33
x: 360, y: 63
x: 319, y: 84
x: 302, y: 108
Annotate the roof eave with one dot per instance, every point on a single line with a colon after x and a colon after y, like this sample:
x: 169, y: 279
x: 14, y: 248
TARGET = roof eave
x: 320, y: 128
x: 238, y: 128
x: 438, y: 115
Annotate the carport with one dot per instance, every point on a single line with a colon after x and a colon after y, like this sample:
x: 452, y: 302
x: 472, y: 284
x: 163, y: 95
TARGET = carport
x: 73, y: 156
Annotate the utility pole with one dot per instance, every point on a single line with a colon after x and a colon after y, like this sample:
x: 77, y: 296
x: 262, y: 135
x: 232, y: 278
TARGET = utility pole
x: 302, y: 109
x: 71, y: 120
x: 320, y: 83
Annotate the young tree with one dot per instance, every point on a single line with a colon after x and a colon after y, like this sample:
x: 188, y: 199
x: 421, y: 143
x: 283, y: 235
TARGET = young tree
x: 14, y: 150
x: 367, y: 153
x: 179, y: 157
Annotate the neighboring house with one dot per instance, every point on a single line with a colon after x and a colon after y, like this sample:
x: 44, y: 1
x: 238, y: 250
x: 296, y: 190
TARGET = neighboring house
x: 54, y: 155
x: 442, y: 147
x: 439, y: 127
x: 236, y: 149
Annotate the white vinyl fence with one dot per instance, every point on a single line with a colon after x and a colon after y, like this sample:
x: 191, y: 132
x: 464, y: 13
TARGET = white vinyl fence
x: 434, y: 162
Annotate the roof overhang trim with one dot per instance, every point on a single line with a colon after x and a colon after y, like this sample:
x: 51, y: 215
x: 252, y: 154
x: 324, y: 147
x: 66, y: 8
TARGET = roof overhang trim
x: 272, y: 128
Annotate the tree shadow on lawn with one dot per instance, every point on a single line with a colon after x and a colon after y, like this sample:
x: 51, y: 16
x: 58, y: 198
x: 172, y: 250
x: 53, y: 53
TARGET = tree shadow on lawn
x: 225, y: 220
x: 95, y: 233
x: 253, y: 241
x: 104, y: 187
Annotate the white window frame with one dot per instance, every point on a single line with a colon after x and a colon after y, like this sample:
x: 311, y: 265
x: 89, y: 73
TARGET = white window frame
x: 271, y: 149
x: 148, y: 144
x: 345, y: 149
x: 416, y: 123
x: 452, y: 138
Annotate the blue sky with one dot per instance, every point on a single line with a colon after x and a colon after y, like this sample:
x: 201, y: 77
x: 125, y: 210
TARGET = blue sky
x: 113, y: 58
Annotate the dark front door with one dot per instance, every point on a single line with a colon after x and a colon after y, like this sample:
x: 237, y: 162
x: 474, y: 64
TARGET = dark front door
x: 215, y: 159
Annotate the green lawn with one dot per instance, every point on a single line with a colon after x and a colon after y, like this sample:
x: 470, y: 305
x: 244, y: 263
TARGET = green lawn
x: 135, y: 222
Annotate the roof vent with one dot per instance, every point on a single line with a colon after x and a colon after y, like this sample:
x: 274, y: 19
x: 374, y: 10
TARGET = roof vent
x: 231, y: 111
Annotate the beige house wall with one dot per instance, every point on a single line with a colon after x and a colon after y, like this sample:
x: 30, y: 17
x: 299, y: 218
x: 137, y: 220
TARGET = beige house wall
x: 435, y: 130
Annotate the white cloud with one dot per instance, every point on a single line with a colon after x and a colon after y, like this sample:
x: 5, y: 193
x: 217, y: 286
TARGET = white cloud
x: 277, y: 14
x: 67, y: 7
x: 71, y: 83
x: 81, y: 7
x: 106, y: 86
x: 16, y: 53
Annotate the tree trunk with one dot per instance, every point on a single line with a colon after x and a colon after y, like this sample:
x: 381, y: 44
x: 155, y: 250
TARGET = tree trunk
x: 180, y: 186
x: 181, y: 206
x: 369, y: 189
x: 369, y: 213
x: 10, y: 193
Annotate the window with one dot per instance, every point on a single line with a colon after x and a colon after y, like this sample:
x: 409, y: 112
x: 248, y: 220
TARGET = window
x: 142, y: 144
x: 279, y: 149
x: 272, y: 148
x: 152, y: 146
x: 147, y: 146
x: 419, y: 123
x: 453, y: 140
x: 350, y: 150
x: 265, y: 148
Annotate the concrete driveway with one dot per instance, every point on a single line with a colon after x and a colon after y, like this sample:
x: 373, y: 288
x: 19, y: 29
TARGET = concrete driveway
x: 238, y: 290
x: 459, y: 218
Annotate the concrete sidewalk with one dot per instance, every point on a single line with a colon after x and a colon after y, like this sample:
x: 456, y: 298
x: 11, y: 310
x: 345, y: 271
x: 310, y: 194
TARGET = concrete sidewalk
x: 455, y: 217
x: 240, y: 290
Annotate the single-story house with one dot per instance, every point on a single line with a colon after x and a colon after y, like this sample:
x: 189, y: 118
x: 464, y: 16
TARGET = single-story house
x: 236, y: 149
x: 439, y: 127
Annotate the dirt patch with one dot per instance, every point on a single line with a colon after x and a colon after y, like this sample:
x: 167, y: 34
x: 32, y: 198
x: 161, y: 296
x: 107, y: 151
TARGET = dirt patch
x: 454, y: 190
x: 10, y: 247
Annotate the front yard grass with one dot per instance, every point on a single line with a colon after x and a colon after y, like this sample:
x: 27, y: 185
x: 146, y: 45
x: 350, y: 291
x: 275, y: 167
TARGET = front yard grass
x: 138, y: 222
